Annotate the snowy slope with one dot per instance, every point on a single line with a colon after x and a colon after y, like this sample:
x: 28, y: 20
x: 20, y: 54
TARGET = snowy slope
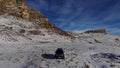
x: 13, y: 29
x: 92, y: 38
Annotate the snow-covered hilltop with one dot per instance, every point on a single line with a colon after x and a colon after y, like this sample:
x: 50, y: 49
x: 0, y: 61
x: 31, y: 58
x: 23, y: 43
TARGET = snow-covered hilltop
x: 18, y: 19
x: 19, y: 22
x: 92, y: 37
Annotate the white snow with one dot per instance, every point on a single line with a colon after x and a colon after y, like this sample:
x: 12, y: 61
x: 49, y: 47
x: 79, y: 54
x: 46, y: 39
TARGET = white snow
x: 87, y: 50
x: 77, y: 55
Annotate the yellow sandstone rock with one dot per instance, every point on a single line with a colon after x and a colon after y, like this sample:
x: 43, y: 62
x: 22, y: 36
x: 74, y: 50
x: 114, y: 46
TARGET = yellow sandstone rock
x: 25, y: 14
x: 10, y: 4
x: 1, y: 0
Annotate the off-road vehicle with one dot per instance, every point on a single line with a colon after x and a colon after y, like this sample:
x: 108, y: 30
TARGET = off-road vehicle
x: 59, y: 53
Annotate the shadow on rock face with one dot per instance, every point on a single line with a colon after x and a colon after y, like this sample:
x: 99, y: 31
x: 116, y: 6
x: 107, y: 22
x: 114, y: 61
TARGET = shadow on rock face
x: 48, y: 56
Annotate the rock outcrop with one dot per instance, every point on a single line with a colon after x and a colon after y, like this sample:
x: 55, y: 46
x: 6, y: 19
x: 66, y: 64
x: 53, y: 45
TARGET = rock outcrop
x: 96, y: 31
x: 19, y: 8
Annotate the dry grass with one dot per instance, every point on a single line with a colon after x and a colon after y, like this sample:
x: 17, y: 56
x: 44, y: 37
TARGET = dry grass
x: 34, y: 32
x: 22, y: 31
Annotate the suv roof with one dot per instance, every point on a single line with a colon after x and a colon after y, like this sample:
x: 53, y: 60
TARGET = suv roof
x: 59, y: 51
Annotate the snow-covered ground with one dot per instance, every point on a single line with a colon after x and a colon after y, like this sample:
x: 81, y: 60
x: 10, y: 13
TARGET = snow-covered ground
x: 23, y: 50
x: 87, y: 51
x: 77, y: 55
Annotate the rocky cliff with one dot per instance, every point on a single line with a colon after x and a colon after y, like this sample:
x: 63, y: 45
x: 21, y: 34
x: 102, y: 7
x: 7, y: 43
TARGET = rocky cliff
x: 18, y: 8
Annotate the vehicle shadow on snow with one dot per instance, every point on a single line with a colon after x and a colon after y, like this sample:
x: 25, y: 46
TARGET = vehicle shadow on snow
x: 48, y: 56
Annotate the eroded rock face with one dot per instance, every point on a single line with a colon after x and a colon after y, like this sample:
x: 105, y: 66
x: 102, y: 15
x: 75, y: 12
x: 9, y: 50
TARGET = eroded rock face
x: 97, y: 31
x: 8, y: 3
x: 19, y: 8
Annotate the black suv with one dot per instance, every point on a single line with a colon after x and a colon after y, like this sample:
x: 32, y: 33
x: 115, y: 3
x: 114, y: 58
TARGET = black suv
x: 59, y: 53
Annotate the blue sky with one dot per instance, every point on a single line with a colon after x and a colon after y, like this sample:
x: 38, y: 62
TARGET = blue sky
x: 81, y: 14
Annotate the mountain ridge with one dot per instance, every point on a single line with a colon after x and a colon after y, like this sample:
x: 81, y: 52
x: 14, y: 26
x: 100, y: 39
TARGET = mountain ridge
x: 19, y: 8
